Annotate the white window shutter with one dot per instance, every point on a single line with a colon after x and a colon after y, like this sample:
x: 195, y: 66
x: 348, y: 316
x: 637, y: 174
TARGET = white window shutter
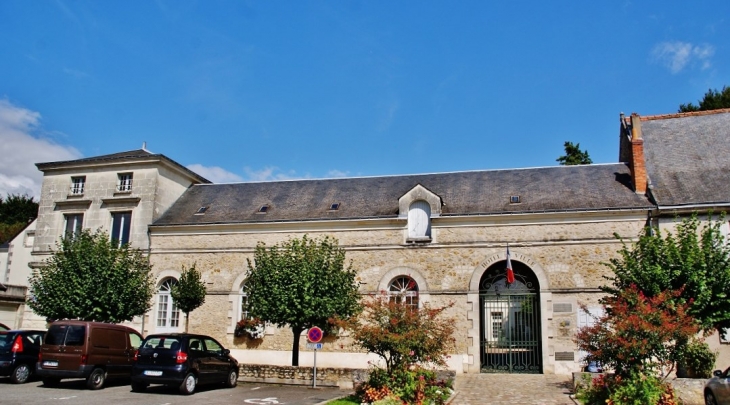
x: 419, y: 220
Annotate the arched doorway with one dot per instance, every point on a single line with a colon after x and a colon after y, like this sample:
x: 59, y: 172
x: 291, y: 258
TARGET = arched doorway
x: 510, y: 320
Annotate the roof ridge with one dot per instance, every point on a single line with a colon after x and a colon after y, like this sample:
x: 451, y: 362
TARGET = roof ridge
x: 375, y: 176
x: 684, y: 114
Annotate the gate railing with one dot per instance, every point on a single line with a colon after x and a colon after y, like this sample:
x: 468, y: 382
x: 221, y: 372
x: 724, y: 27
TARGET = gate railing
x: 510, y: 333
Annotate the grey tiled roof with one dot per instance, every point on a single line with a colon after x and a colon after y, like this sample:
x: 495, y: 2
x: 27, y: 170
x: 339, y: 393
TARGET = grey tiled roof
x: 137, y: 154
x: 551, y: 189
x: 688, y: 158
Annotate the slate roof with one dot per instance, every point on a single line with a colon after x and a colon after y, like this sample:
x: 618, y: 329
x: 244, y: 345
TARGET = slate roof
x: 549, y: 189
x: 688, y: 157
x: 137, y: 154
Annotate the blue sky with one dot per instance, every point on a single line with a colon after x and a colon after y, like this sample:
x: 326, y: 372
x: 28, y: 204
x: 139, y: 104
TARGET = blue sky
x: 265, y: 90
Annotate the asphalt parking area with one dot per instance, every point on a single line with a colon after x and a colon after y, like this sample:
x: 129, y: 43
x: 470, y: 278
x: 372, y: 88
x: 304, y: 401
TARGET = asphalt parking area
x: 74, y: 392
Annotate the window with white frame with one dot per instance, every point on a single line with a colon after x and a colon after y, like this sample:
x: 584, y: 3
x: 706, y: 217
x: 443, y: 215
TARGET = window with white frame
x: 419, y: 220
x: 124, y: 182
x: 121, y: 223
x: 77, y: 185
x: 168, y: 315
x: 243, y: 302
x: 74, y: 224
x: 404, y: 290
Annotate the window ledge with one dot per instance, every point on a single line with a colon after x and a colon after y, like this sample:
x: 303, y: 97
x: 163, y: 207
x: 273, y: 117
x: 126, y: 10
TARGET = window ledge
x: 420, y: 239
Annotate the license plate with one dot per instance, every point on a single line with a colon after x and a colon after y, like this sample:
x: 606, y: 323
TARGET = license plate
x: 153, y: 373
x: 49, y: 363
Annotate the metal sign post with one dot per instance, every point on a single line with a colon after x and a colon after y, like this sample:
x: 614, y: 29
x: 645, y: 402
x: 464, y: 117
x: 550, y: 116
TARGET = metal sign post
x: 314, y: 335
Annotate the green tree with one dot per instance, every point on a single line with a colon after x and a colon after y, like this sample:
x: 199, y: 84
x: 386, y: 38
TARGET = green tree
x: 16, y: 211
x: 694, y: 259
x: 91, y: 279
x: 713, y: 100
x: 301, y: 283
x: 574, y: 156
x: 189, y: 292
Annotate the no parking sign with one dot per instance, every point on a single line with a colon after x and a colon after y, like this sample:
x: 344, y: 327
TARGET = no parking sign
x: 315, y: 334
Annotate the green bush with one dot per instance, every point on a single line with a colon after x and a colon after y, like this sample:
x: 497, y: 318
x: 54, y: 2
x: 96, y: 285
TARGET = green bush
x: 412, y: 386
x: 636, y: 389
x: 699, y: 360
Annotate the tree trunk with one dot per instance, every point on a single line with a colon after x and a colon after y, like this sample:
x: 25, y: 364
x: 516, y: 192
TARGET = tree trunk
x: 187, y: 318
x: 295, y: 346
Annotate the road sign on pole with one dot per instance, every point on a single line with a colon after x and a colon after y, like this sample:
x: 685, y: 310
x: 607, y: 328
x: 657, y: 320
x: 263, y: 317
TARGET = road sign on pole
x: 314, y: 334
x: 315, y: 346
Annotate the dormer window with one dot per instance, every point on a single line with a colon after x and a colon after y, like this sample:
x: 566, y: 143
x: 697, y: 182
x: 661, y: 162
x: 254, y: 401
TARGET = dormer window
x: 419, y: 221
x: 515, y: 199
x: 263, y: 209
x: 334, y: 206
x: 201, y: 210
x: 124, y: 182
x: 77, y: 185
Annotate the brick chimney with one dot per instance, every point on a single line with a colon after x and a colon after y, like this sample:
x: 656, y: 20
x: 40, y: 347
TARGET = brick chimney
x: 637, y: 163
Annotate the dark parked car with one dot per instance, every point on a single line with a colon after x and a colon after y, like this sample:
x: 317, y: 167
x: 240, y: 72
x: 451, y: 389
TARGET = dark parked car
x: 717, y: 388
x: 183, y: 360
x: 19, y: 353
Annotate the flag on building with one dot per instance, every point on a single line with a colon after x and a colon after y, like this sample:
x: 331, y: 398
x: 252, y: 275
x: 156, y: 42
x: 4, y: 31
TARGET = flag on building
x: 510, y: 273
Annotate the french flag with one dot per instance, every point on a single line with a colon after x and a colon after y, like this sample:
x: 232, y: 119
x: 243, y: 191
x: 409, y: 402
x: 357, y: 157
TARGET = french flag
x: 510, y: 273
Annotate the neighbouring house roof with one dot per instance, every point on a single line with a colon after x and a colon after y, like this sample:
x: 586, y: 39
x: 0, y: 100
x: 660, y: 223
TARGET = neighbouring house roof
x: 688, y: 157
x: 549, y: 189
x: 138, y: 155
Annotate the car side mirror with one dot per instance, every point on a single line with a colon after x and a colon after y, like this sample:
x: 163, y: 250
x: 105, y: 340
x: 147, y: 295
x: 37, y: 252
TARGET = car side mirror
x: 226, y: 352
x: 717, y: 373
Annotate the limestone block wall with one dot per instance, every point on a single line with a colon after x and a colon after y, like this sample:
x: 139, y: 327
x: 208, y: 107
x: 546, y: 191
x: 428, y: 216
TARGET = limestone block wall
x: 98, y: 201
x: 565, y: 252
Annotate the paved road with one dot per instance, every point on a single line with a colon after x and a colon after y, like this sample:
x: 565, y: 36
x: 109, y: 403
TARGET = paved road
x: 74, y: 392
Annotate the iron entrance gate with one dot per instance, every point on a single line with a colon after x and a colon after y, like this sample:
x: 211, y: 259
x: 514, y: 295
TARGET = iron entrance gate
x: 510, y: 319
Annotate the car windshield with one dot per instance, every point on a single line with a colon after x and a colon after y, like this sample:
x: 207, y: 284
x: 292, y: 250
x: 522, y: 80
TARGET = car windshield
x: 161, y: 342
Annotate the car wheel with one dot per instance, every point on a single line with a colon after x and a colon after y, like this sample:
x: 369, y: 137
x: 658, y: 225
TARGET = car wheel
x: 96, y: 379
x: 21, y: 374
x: 188, y: 385
x: 51, y: 381
x: 232, y: 380
x: 139, y: 386
x: 710, y: 399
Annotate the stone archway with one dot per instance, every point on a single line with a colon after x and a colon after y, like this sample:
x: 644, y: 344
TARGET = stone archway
x: 475, y: 310
x: 510, y: 317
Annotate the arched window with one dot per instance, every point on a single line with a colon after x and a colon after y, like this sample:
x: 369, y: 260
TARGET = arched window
x: 404, y: 289
x: 168, y: 315
x: 243, y: 302
x: 419, y: 220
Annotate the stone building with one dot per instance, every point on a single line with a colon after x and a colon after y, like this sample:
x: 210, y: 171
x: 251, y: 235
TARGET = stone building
x: 121, y: 193
x: 434, y: 238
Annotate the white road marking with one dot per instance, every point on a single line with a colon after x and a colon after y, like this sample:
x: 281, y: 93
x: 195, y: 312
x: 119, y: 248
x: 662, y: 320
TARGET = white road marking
x: 262, y: 401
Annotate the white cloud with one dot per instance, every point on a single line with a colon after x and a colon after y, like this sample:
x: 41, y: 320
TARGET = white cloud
x: 272, y: 173
x: 22, y: 145
x: 677, y: 55
x: 215, y: 174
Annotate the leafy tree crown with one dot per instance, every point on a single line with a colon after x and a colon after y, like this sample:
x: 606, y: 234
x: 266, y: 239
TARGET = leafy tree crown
x: 189, y: 292
x: 91, y: 279
x: 574, y: 156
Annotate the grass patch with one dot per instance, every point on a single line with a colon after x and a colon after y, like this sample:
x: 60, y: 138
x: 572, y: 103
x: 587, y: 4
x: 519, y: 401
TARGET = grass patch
x: 351, y: 400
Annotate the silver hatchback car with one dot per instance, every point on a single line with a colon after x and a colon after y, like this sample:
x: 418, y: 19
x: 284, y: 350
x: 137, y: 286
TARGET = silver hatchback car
x: 717, y: 388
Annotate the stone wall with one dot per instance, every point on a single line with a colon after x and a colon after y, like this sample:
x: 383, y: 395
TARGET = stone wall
x: 344, y: 378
